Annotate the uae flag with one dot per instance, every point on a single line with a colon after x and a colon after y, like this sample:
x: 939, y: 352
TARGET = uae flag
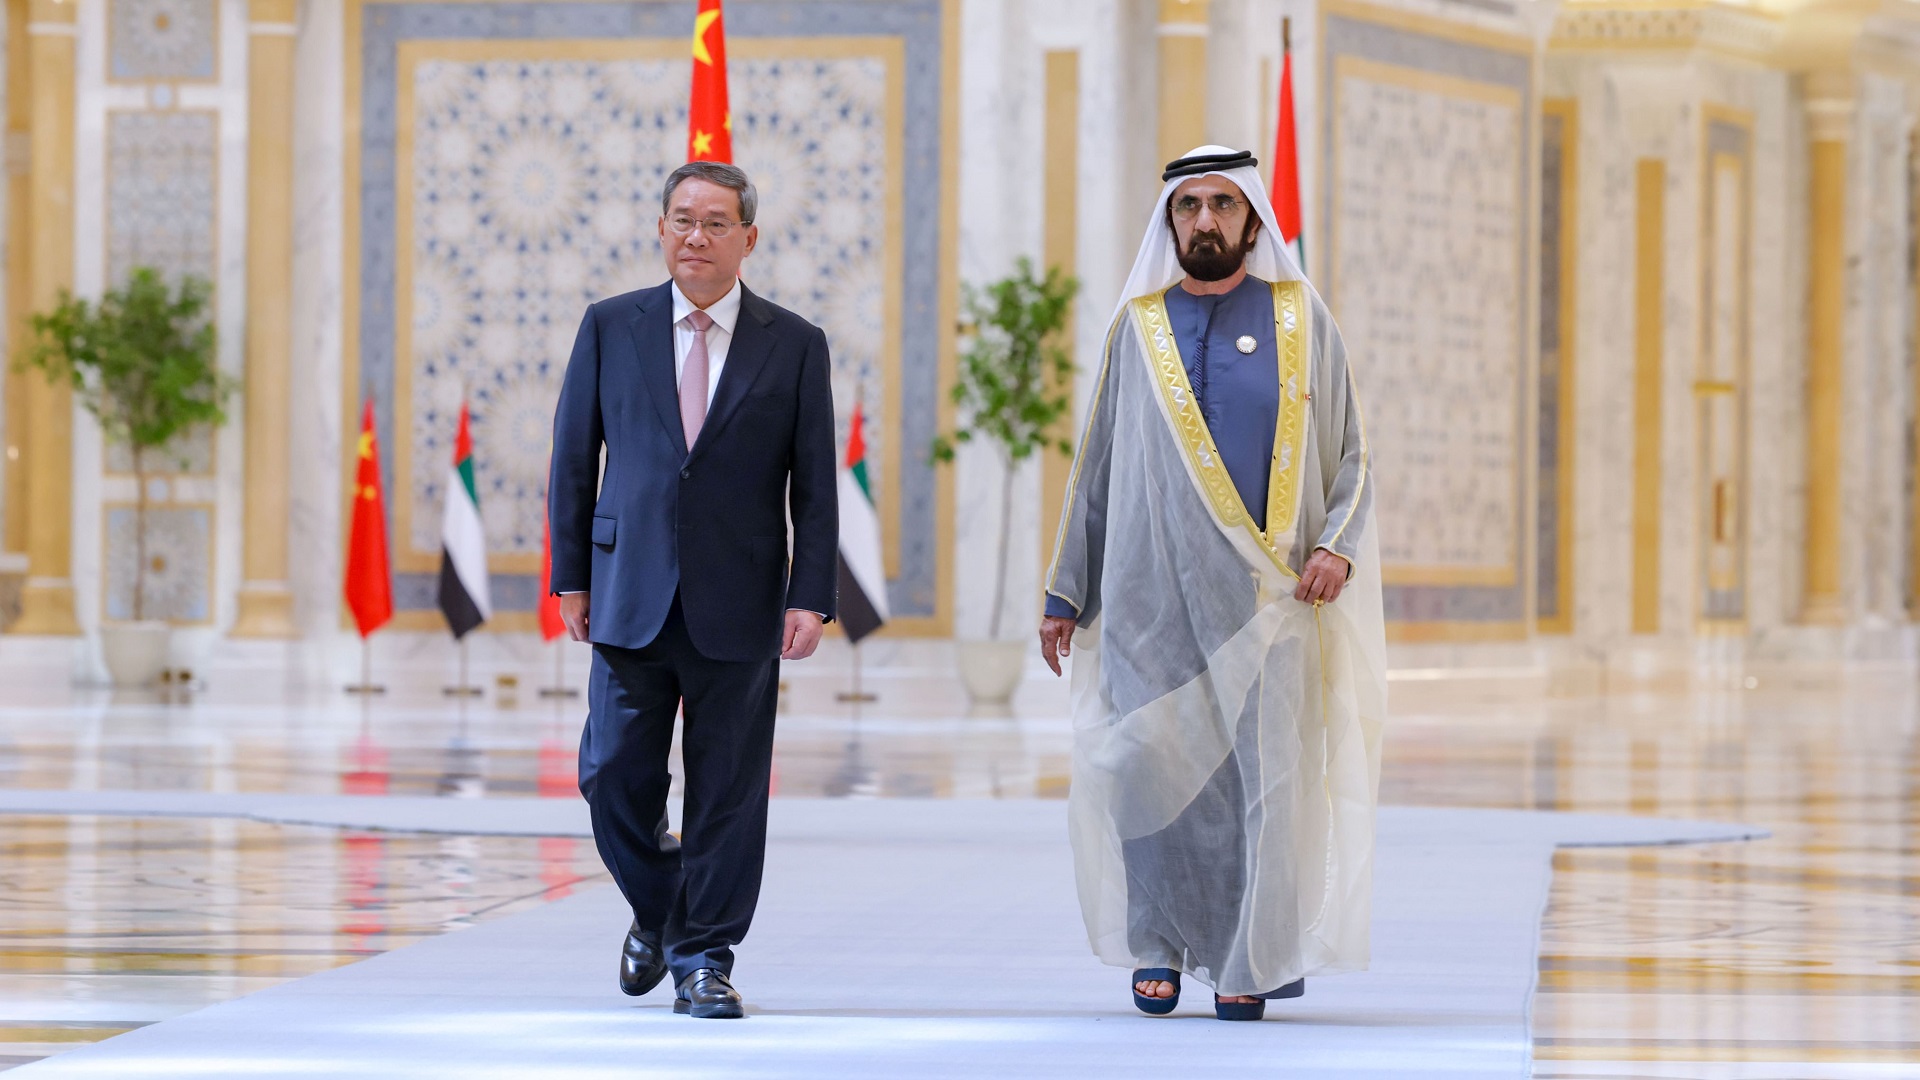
x: 709, y: 121
x: 369, y: 587
x: 863, y: 576
x: 1285, y: 188
x: 463, y: 544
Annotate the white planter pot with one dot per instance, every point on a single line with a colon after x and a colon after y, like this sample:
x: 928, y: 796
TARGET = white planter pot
x: 135, y: 652
x: 992, y: 670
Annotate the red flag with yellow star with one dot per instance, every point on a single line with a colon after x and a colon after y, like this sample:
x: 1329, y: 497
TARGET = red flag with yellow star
x: 369, y: 587
x: 709, y: 123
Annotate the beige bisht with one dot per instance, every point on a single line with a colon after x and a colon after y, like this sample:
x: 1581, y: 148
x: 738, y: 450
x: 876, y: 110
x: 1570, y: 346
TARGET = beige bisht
x: 1226, y: 736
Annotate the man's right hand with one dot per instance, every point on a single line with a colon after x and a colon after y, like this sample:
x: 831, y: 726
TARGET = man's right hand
x: 1056, y: 640
x: 573, y: 612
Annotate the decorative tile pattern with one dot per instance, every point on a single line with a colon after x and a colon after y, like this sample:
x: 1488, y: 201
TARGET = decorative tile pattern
x: 535, y: 187
x: 161, y: 180
x: 161, y: 39
x: 1722, y: 408
x: 179, y: 562
x: 161, y: 187
x: 1427, y: 184
x: 1429, y: 282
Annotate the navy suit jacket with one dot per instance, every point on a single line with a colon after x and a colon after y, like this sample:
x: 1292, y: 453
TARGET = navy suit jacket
x: 708, y: 521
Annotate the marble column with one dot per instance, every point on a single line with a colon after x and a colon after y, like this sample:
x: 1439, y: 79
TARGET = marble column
x: 265, y: 602
x: 47, y: 605
x: 1183, y: 76
x: 1829, y: 120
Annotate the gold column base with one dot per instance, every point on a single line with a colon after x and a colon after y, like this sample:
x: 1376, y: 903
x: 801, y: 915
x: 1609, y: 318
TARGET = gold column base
x: 266, y: 611
x: 1823, y: 611
x: 47, y: 610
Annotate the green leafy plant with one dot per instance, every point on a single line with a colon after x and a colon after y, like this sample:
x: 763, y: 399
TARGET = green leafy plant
x: 142, y: 361
x: 1012, y: 390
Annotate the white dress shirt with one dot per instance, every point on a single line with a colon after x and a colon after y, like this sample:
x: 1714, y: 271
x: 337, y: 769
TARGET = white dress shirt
x: 726, y: 313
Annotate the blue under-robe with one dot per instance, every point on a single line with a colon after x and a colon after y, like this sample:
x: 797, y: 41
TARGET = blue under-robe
x: 1239, y: 393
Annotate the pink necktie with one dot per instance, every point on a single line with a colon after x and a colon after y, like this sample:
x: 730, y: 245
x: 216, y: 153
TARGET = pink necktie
x: 693, y: 379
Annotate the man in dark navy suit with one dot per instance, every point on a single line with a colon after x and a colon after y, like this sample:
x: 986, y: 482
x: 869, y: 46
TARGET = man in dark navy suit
x: 716, y: 414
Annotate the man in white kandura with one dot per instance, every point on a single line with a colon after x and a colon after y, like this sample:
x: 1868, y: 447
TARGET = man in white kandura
x: 1218, y: 555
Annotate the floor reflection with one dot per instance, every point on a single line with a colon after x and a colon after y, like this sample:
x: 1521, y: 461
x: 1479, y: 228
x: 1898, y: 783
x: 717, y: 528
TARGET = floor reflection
x: 1795, y: 955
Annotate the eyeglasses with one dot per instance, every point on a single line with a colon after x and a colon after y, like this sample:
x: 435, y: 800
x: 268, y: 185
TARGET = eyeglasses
x: 1187, y: 207
x: 714, y: 227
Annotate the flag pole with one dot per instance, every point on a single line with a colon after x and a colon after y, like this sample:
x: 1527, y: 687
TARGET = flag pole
x: 366, y: 684
x: 856, y: 694
x: 465, y: 689
x: 559, y: 689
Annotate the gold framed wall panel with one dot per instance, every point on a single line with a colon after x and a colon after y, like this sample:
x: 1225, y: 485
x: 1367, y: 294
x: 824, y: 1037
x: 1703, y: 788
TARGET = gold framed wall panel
x: 1350, y: 67
x: 938, y: 623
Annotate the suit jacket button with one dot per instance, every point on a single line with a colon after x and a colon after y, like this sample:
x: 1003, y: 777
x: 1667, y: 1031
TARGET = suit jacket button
x: 686, y: 474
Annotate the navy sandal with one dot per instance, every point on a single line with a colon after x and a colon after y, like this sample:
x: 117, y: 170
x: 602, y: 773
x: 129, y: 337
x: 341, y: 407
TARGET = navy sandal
x: 1155, y: 1006
x: 1239, y: 1010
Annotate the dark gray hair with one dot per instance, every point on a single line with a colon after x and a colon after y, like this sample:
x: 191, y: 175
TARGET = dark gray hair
x: 714, y: 172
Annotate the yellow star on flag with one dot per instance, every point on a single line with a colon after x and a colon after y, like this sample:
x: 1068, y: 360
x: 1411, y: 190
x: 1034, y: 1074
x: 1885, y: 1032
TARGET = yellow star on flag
x: 702, y: 144
x: 700, y: 24
x: 366, y: 444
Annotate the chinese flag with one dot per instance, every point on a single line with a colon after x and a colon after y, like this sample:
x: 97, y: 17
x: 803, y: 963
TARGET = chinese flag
x: 551, y: 625
x: 369, y: 587
x: 1285, y: 188
x: 709, y: 123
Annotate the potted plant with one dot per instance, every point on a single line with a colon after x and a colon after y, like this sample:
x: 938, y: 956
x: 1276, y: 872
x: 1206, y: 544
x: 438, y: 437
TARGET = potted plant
x: 141, y: 360
x: 1012, y: 393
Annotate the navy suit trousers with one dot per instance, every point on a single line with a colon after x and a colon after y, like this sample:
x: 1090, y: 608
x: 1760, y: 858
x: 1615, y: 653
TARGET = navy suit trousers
x: 695, y: 897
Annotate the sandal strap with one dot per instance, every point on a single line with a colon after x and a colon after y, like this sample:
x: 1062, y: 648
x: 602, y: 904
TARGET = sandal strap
x: 1156, y: 975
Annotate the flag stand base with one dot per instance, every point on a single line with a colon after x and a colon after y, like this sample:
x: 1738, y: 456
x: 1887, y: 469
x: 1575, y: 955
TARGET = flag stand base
x: 856, y: 695
x: 464, y: 689
x: 366, y: 685
x: 559, y: 689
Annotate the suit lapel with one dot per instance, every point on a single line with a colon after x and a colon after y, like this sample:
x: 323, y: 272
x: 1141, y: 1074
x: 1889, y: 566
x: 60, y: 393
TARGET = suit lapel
x: 746, y: 355
x: 652, y: 329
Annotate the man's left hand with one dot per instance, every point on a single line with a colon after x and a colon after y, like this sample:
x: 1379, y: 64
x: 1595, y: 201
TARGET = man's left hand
x: 1322, y: 580
x: 802, y: 635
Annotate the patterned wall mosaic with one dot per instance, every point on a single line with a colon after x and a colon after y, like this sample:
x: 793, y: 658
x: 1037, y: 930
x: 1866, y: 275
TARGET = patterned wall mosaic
x: 179, y: 540
x: 162, y: 182
x: 1427, y: 274
x: 161, y: 39
x: 535, y: 187
x: 534, y: 146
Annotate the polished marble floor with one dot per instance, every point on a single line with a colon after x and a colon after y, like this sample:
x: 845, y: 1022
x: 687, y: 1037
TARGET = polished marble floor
x: 1794, y: 957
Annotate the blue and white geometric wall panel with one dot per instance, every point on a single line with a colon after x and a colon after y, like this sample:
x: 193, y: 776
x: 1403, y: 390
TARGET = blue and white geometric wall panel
x: 508, y: 160
x: 1428, y: 276
x: 179, y: 556
x: 161, y: 39
x: 535, y: 190
x: 161, y: 189
x: 161, y: 186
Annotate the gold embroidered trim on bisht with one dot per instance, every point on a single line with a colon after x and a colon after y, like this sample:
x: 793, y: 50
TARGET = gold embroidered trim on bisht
x: 1290, y: 336
x: 1170, y: 375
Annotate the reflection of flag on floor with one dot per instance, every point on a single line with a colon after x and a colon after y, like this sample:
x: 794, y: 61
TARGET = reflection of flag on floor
x: 464, y: 597
x: 369, y: 587
x: 1285, y: 188
x: 863, y: 576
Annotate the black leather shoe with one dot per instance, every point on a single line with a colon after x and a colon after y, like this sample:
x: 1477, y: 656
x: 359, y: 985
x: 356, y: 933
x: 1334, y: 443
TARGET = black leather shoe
x: 707, y: 995
x: 642, y: 964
